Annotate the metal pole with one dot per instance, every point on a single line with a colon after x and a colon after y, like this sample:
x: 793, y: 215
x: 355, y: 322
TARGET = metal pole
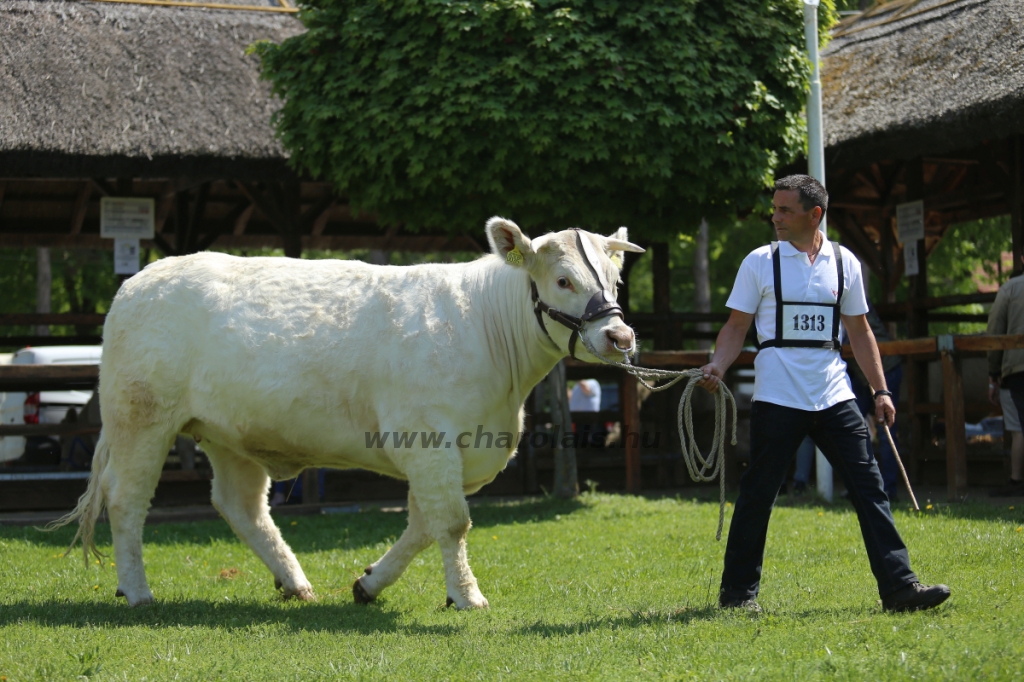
x: 816, y: 169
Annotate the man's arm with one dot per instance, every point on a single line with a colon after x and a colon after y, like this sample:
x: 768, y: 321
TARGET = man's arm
x: 865, y: 350
x: 727, y: 348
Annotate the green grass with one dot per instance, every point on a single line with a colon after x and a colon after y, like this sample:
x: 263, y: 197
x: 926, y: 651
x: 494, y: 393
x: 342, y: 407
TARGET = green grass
x: 605, y: 587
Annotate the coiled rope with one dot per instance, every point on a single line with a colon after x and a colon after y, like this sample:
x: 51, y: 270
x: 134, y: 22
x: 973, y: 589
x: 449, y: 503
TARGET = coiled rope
x: 701, y: 468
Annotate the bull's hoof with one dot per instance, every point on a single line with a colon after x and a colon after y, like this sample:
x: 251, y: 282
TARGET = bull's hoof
x: 300, y: 593
x: 360, y: 594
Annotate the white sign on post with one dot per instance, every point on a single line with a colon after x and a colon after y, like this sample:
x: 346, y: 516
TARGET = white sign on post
x: 126, y: 256
x: 127, y: 218
x: 910, y: 221
x: 910, y: 259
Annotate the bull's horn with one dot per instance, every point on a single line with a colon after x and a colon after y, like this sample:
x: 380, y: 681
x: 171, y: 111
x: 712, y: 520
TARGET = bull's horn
x: 619, y: 245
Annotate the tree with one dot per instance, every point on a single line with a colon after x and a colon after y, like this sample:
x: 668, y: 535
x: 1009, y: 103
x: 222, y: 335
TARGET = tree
x: 440, y: 113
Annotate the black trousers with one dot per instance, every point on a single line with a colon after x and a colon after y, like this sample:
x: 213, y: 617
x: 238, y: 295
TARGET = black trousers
x: 841, y: 435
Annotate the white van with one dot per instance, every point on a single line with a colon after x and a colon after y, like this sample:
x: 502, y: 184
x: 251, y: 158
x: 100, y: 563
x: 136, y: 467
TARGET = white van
x: 46, y: 407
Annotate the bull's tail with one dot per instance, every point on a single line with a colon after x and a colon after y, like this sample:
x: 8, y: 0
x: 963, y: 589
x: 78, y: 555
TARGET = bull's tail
x: 89, y: 507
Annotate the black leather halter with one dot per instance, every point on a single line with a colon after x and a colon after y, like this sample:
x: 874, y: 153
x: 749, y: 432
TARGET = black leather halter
x: 600, y: 305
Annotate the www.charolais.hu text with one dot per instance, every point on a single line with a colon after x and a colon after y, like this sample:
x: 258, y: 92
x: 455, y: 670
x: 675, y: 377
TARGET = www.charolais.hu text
x: 502, y: 439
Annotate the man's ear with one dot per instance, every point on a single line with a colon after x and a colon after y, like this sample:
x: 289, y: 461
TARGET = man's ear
x: 508, y: 242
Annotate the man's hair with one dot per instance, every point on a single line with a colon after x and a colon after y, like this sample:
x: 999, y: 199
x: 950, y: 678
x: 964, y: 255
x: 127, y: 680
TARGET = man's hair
x: 811, y: 192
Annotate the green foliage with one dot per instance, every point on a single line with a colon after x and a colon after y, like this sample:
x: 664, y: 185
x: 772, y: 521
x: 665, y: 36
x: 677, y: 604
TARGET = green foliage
x: 83, y: 281
x: 603, y: 588
x: 442, y: 113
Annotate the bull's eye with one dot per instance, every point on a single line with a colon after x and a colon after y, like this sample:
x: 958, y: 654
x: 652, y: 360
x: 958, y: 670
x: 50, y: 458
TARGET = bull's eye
x: 563, y: 283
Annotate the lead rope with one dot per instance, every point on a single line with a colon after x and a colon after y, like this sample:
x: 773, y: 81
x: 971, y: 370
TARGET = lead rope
x: 701, y: 468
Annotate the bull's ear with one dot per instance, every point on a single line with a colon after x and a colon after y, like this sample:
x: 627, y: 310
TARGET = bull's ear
x: 508, y: 242
x: 619, y: 241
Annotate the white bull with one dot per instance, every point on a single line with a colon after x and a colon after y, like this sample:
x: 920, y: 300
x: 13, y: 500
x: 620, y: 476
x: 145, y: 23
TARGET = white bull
x: 276, y: 365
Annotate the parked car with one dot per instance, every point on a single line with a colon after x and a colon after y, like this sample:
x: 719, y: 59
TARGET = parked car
x: 46, y: 407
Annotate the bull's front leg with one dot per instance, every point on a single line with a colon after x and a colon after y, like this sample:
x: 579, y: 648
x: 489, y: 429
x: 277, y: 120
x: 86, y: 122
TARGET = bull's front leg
x: 389, y: 567
x: 435, y: 481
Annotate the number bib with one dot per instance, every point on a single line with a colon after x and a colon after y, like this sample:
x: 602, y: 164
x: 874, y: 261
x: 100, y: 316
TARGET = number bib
x: 806, y: 322
x: 805, y: 325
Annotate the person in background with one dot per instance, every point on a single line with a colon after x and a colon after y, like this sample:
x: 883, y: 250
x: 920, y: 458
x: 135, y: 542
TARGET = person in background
x: 1006, y: 368
x: 804, y: 462
x: 586, y: 397
x: 1011, y: 424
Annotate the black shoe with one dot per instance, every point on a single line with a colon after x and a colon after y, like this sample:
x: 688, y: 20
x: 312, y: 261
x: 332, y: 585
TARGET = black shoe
x: 744, y: 604
x: 1013, y: 489
x: 915, y: 597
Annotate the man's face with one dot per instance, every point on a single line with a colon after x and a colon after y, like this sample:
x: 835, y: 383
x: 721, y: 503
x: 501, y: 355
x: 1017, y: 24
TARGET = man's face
x: 791, y: 220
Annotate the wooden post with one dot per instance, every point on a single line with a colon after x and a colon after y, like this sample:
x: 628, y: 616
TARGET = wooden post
x: 660, y: 273
x: 311, y: 486
x: 1016, y: 195
x: 917, y: 325
x: 956, y: 437
x: 566, y: 480
x: 629, y: 259
x: 631, y: 433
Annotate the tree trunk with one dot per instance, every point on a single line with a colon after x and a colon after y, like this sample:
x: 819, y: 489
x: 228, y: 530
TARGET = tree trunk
x: 702, y: 281
x: 44, y: 286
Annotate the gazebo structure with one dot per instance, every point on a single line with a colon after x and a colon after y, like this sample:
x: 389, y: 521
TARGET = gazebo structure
x: 924, y: 101
x: 159, y: 99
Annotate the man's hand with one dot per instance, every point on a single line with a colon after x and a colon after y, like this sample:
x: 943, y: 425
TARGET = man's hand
x: 885, y: 413
x: 993, y: 391
x: 712, y: 377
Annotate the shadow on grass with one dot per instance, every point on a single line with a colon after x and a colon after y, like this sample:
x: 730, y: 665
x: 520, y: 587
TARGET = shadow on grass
x: 691, y: 614
x: 310, y: 533
x: 328, y: 617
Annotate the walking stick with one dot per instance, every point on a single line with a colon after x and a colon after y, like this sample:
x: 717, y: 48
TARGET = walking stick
x: 903, y: 472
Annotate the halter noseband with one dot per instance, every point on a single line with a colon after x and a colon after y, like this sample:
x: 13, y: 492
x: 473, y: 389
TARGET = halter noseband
x: 600, y: 305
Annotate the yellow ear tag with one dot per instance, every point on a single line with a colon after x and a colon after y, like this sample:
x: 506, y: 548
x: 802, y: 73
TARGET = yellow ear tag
x: 616, y: 259
x: 514, y: 257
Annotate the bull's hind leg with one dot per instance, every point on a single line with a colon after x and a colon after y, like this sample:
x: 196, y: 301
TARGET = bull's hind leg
x: 389, y: 567
x: 128, y: 484
x: 240, y: 495
x: 435, y: 479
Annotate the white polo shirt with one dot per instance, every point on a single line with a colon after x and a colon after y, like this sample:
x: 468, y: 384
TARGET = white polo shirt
x: 804, y: 378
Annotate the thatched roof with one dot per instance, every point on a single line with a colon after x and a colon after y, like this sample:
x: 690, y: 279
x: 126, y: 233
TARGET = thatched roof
x: 924, y: 77
x: 98, y: 89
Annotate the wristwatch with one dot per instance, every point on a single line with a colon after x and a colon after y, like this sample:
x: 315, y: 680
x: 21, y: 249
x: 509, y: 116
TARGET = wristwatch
x: 879, y: 394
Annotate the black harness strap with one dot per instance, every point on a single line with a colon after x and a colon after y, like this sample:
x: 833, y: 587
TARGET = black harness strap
x: 779, y: 342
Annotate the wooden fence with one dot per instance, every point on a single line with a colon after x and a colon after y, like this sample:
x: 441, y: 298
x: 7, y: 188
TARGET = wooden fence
x: 949, y: 349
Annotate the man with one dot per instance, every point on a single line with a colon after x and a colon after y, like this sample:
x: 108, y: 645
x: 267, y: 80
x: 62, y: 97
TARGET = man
x: 1006, y: 368
x: 801, y: 292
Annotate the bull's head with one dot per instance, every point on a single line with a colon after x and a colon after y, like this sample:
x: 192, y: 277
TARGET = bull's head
x: 575, y: 277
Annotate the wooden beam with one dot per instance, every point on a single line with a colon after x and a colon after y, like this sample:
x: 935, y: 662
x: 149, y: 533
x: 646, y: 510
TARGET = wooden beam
x: 48, y: 377
x: 36, y: 430
x: 39, y: 319
x: 956, y: 437
x: 243, y: 221
x: 1016, y: 195
x: 81, y: 206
